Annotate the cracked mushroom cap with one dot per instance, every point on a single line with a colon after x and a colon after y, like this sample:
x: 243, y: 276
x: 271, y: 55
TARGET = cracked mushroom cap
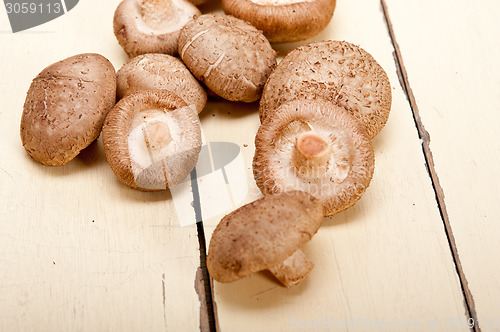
x: 263, y: 234
x: 151, y: 26
x: 337, y: 71
x: 152, y: 140
x: 65, y: 107
x: 160, y: 72
x: 317, y: 147
x: 283, y: 20
x: 231, y: 57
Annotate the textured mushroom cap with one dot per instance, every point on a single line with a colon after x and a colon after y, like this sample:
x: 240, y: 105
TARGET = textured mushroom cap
x: 262, y: 234
x: 152, y: 139
x: 230, y: 56
x: 160, y: 72
x: 151, y: 26
x: 65, y: 107
x: 348, y: 167
x: 336, y: 71
x: 283, y: 20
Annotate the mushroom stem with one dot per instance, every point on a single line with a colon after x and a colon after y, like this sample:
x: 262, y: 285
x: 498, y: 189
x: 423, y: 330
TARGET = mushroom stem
x: 311, y: 155
x: 157, y: 135
x: 293, y: 269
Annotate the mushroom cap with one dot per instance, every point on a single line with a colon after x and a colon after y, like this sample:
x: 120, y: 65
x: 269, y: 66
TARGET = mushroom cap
x: 231, y: 57
x: 262, y: 234
x: 337, y: 71
x: 160, y: 72
x: 283, y: 20
x: 65, y: 107
x: 348, y: 164
x: 151, y: 26
x: 152, y: 139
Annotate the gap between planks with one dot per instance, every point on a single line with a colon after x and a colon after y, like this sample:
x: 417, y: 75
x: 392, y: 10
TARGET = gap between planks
x: 429, y: 161
x: 203, y: 284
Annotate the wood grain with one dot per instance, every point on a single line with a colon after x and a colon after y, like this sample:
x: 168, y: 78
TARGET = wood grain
x: 80, y: 251
x: 454, y: 80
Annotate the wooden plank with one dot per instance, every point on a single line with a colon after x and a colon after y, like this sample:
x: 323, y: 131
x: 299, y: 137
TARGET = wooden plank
x: 453, y: 75
x: 80, y: 251
x: 384, y: 261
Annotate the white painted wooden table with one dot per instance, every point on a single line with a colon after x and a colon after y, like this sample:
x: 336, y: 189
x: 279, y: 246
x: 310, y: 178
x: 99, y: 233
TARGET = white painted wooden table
x: 81, y: 252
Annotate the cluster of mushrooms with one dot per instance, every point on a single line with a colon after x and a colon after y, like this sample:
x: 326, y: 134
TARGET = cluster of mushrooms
x: 319, y: 109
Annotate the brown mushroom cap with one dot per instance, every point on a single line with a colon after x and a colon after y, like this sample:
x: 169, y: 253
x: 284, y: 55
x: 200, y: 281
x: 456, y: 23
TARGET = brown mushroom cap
x: 337, y: 71
x: 230, y: 56
x: 151, y: 26
x: 317, y: 147
x: 262, y: 234
x: 283, y: 20
x: 152, y: 139
x: 65, y: 107
x: 160, y: 72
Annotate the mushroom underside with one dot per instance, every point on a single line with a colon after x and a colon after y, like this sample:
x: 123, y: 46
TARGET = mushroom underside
x: 283, y: 20
x: 152, y: 139
x: 145, y: 26
x: 316, y: 147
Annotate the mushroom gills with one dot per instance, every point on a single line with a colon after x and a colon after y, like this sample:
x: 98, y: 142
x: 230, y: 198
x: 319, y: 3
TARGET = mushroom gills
x: 317, y: 147
x: 293, y: 269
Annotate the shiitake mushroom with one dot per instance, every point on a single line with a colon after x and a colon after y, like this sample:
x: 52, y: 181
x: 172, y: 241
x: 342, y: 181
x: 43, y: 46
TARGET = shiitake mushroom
x: 230, y: 56
x: 317, y: 147
x: 266, y: 234
x: 151, y: 26
x: 336, y: 71
x: 283, y: 20
x: 160, y: 72
x: 152, y: 139
x: 65, y: 107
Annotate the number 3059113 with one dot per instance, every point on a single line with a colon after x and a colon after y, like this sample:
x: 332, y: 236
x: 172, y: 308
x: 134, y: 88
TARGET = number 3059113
x: 33, y: 8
